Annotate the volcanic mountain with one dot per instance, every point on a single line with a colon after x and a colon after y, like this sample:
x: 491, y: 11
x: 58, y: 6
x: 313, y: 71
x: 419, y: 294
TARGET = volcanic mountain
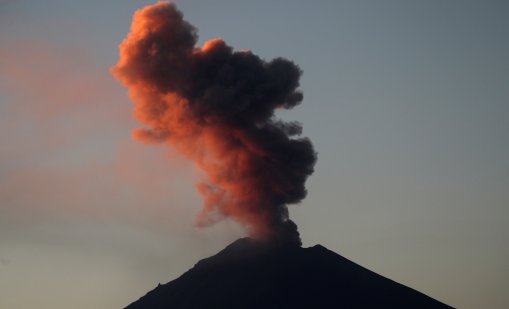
x: 254, y: 274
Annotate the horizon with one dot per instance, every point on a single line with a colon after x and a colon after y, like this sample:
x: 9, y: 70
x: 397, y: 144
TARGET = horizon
x: 405, y: 103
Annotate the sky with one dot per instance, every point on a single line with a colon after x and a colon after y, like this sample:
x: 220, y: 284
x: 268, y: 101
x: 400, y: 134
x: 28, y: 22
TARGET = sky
x: 406, y: 103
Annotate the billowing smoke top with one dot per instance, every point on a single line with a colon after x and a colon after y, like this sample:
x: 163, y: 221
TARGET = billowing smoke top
x: 216, y: 107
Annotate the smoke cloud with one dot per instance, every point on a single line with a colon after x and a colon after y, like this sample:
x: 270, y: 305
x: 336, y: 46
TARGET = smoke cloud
x: 216, y: 107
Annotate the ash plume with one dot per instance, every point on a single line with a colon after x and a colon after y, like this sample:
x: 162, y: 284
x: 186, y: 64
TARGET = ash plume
x: 216, y: 106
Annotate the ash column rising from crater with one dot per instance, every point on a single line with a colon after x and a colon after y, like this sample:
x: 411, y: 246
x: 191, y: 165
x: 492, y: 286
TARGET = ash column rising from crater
x: 215, y: 106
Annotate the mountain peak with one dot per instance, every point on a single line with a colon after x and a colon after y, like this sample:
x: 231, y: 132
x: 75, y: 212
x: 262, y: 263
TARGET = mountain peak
x: 254, y: 274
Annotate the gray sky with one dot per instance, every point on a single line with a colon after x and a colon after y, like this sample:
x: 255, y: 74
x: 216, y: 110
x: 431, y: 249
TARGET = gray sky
x: 406, y: 103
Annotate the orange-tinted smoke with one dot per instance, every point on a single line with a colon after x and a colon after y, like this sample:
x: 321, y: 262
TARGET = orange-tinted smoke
x: 216, y: 107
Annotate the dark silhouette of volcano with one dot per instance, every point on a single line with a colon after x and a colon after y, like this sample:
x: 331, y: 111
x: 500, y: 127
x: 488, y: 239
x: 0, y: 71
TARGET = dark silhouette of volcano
x: 253, y: 274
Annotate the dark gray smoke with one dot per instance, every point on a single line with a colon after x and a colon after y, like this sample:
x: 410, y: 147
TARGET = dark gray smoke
x: 216, y: 107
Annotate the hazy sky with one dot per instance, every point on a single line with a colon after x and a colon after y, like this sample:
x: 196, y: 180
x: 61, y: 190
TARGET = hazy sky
x: 406, y: 102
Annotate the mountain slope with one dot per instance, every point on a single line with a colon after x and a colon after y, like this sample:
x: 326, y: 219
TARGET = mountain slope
x: 252, y: 274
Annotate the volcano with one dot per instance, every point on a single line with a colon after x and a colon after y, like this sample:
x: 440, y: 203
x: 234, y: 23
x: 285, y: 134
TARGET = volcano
x: 254, y: 274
